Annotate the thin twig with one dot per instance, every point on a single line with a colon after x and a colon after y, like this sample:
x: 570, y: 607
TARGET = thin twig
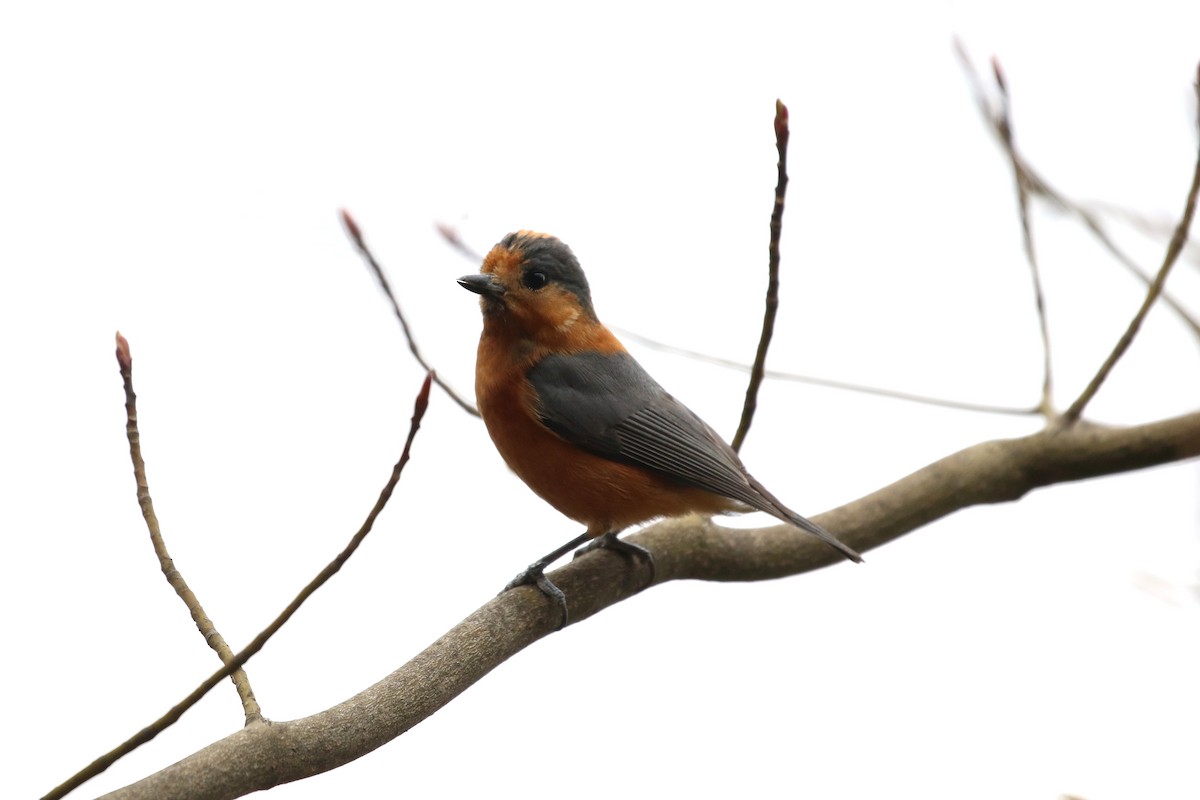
x: 168, y: 719
x: 1093, y: 223
x: 772, y: 302
x: 1003, y: 123
x: 455, y: 240
x: 174, y: 577
x: 1174, y: 248
x: 1159, y: 228
x: 360, y: 243
x: 1038, y: 186
x: 832, y: 384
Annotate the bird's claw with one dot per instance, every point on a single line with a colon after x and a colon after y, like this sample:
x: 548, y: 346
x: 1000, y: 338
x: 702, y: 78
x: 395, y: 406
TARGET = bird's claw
x: 535, y: 575
x: 527, y: 577
x: 610, y: 541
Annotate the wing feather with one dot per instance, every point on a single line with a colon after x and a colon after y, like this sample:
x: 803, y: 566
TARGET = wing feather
x: 607, y: 404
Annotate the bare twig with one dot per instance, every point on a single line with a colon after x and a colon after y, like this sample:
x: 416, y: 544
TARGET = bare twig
x: 1158, y: 227
x: 244, y: 655
x: 360, y: 243
x: 174, y: 577
x: 1038, y: 186
x: 1092, y: 222
x: 1003, y: 124
x: 455, y: 240
x: 1174, y: 247
x: 772, y: 374
x: 772, y: 302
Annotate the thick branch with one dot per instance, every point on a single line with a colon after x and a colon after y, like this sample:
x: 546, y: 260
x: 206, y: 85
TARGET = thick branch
x: 266, y: 755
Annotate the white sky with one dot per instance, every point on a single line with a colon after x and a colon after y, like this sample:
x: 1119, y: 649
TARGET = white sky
x: 177, y: 176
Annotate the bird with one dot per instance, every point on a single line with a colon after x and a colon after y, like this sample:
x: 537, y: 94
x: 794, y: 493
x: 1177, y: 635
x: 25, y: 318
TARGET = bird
x: 579, y: 420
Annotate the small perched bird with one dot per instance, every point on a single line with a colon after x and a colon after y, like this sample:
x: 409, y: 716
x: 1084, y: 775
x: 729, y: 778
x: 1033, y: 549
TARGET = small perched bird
x: 580, y: 421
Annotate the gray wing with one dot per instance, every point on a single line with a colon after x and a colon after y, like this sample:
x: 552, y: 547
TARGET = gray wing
x: 608, y: 405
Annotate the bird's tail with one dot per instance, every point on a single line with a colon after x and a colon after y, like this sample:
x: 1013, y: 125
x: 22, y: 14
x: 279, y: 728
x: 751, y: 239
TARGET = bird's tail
x: 775, y: 508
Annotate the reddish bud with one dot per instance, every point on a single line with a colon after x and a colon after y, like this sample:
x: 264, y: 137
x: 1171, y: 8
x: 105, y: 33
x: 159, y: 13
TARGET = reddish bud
x: 781, y: 121
x: 124, y: 359
x: 999, y: 73
x: 352, y: 227
x: 449, y: 233
x: 423, y: 397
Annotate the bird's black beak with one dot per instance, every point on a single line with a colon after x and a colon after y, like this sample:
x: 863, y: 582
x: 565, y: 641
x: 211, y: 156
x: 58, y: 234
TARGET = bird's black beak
x: 485, y: 285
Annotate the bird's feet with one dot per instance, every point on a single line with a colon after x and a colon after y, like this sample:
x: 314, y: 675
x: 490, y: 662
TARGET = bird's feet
x: 610, y: 541
x: 535, y: 575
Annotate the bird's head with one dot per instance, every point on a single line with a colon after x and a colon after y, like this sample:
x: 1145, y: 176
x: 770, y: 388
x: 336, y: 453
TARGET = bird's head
x: 532, y: 282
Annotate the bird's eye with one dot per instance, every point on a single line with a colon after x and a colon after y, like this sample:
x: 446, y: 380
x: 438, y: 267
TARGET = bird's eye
x: 534, y: 280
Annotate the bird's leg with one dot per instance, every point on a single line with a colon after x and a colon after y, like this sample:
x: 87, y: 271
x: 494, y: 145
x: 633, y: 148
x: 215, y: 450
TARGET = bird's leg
x: 610, y: 541
x: 535, y: 574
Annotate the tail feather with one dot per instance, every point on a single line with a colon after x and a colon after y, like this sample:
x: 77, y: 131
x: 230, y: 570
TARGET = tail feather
x: 772, y: 505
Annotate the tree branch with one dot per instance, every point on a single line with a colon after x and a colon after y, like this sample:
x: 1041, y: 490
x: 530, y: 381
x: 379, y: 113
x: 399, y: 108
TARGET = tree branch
x: 1004, y: 126
x: 1174, y: 248
x: 1038, y: 186
x: 453, y: 238
x: 360, y: 243
x: 246, y: 653
x: 266, y: 755
x: 204, y: 623
x: 782, y: 132
x: 774, y: 374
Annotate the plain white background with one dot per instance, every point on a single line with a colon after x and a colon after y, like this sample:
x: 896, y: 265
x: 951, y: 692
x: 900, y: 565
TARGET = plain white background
x: 177, y: 174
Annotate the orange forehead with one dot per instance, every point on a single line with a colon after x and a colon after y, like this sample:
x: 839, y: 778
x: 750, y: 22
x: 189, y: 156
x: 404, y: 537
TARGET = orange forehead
x: 504, y: 262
